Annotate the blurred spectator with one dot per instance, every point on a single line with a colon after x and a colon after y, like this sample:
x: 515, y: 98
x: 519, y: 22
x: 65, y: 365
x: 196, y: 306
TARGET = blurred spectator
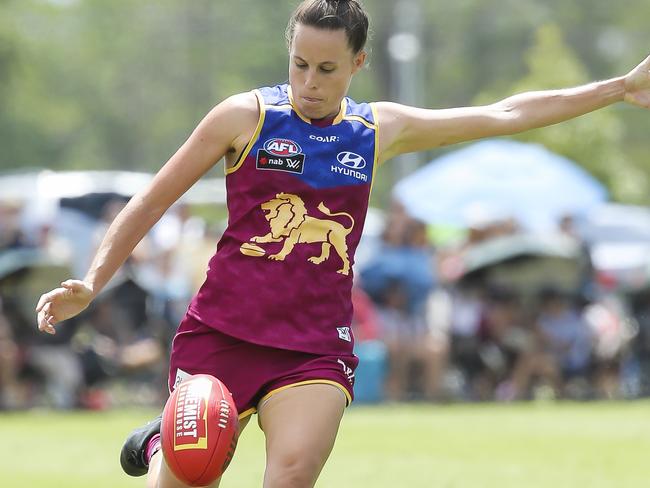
x: 371, y: 373
x: 612, y: 334
x: 177, y: 242
x: 126, y: 333
x: 409, y: 344
x: 401, y: 332
x: 399, y: 279
x: 365, y: 322
x: 506, y: 360
x: 406, y: 257
x: 49, y: 367
x: 586, y: 280
x: 456, y: 313
x: 9, y: 366
x: 11, y: 234
x: 566, y: 337
x: 60, y: 368
x: 636, y: 365
x: 53, y: 245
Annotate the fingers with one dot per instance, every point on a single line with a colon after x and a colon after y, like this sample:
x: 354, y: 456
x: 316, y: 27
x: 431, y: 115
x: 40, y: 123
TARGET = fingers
x: 45, y: 298
x: 61, y: 303
x: 49, y: 297
x: 46, y: 320
x: 67, y: 286
x: 45, y: 316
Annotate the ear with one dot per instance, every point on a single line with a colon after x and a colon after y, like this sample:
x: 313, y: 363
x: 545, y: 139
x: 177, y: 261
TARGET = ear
x: 359, y: 61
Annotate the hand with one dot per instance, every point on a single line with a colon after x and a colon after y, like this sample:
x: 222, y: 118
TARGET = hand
x: 637, y: 85
x: 62, y: 303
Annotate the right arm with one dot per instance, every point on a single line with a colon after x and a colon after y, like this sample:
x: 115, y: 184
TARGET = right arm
x: 225, y: 130
x: 405, y: 129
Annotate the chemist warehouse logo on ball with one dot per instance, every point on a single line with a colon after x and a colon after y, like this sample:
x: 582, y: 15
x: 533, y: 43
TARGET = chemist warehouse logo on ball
x: 281, y: 155
x: 350, y: 164
x: 190, y: 426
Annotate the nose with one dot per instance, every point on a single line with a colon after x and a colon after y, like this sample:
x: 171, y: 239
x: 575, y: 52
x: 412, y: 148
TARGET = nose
x: 311, y: 80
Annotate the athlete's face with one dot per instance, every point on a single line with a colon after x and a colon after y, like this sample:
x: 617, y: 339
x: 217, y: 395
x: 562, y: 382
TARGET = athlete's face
x: 321, y: 66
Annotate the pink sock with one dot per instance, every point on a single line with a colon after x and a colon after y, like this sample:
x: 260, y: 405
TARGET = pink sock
x: 153, y: 446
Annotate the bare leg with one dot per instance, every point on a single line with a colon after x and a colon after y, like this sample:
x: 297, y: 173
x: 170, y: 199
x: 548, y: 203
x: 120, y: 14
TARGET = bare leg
x: 160, y: 476
x: 300, y: 425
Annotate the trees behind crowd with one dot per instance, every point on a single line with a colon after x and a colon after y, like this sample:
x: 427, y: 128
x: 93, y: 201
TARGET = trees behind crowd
x: 119, y: 84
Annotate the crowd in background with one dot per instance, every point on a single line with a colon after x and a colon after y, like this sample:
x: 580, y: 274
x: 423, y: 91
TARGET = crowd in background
x: 451, y: 334
x: 439, y: 333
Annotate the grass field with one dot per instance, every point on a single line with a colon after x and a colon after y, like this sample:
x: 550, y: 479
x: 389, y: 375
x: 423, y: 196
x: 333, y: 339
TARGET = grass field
x: 589, y: 445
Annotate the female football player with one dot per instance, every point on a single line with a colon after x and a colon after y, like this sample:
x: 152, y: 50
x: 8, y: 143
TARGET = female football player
x: 272, y: 319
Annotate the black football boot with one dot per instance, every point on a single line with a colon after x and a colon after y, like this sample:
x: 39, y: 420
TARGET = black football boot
x: 133, y: 451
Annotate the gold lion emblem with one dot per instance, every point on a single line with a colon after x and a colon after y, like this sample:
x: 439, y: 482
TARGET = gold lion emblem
x: 289, y: 222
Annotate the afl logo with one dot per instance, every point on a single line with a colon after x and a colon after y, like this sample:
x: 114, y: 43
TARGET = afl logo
x: 282, y: 147
x: 351, y: 160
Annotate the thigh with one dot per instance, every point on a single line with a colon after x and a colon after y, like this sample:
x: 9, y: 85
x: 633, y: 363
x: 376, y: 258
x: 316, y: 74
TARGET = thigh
x: 300, y: 424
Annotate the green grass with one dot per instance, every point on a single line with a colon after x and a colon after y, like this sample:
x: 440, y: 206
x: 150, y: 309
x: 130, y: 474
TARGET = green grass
x: 590, y: 445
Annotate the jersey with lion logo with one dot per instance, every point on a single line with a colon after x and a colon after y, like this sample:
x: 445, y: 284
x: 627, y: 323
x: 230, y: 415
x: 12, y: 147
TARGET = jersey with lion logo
x: 297, y: 201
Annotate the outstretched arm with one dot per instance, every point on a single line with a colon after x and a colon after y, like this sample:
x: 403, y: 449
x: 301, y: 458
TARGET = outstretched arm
x: 408, y: 129
x: 225, y: 129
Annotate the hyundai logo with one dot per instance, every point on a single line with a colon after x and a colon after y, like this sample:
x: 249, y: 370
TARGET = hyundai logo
x: 351, y: 160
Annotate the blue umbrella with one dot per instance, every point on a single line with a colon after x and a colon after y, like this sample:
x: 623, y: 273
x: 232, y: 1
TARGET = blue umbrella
x: 497, y: 179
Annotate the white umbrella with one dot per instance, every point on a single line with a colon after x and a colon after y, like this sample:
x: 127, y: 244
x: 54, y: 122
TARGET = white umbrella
x: 498, y: 179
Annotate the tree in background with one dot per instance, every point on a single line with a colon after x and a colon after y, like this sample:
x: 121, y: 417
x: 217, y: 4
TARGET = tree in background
x: 119, y: 84
x: 594, y: 141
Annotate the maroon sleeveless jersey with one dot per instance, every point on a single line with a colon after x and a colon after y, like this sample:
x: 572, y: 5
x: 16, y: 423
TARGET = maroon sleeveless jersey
x: 297, y: 200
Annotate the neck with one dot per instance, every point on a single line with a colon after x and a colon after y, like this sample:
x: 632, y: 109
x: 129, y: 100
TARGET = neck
x: 324, y: 122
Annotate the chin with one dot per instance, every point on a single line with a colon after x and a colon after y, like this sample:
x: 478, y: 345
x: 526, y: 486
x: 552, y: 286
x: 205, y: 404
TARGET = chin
x: 310, y: 114
x: 317, y: 113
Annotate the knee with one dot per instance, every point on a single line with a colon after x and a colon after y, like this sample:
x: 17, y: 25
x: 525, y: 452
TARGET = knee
x: 296, y: 470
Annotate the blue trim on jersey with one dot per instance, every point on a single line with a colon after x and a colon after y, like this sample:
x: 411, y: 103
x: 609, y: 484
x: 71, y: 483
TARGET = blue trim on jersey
x: 275, y: 95
x: 342, y: 154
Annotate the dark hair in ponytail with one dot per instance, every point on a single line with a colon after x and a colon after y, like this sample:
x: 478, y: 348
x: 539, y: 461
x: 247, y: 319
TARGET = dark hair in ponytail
x: 332, y: 15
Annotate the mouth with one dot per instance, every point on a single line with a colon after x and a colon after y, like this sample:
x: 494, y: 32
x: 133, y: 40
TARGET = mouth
x: 312, y: 100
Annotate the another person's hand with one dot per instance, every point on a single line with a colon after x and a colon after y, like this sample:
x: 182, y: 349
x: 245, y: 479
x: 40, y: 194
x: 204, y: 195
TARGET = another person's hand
x: 62, y: 303
x: 637, y: 85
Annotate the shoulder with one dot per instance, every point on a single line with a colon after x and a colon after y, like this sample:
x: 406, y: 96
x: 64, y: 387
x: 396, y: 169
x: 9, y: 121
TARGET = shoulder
x: 242, y: 106
x: 389, y: 118
x: 388, y: 112
x: 235, y: 117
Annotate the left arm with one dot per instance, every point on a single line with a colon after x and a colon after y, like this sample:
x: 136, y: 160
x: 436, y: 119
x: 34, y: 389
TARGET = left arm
x: 408, y: 129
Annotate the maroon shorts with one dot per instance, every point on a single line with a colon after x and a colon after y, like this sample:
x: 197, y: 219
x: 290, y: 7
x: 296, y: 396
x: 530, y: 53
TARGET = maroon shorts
x: 251, y: 372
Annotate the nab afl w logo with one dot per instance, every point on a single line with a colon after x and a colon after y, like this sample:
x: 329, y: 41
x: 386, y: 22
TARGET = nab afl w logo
x: 351, y: 160
x: 281, y: 155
